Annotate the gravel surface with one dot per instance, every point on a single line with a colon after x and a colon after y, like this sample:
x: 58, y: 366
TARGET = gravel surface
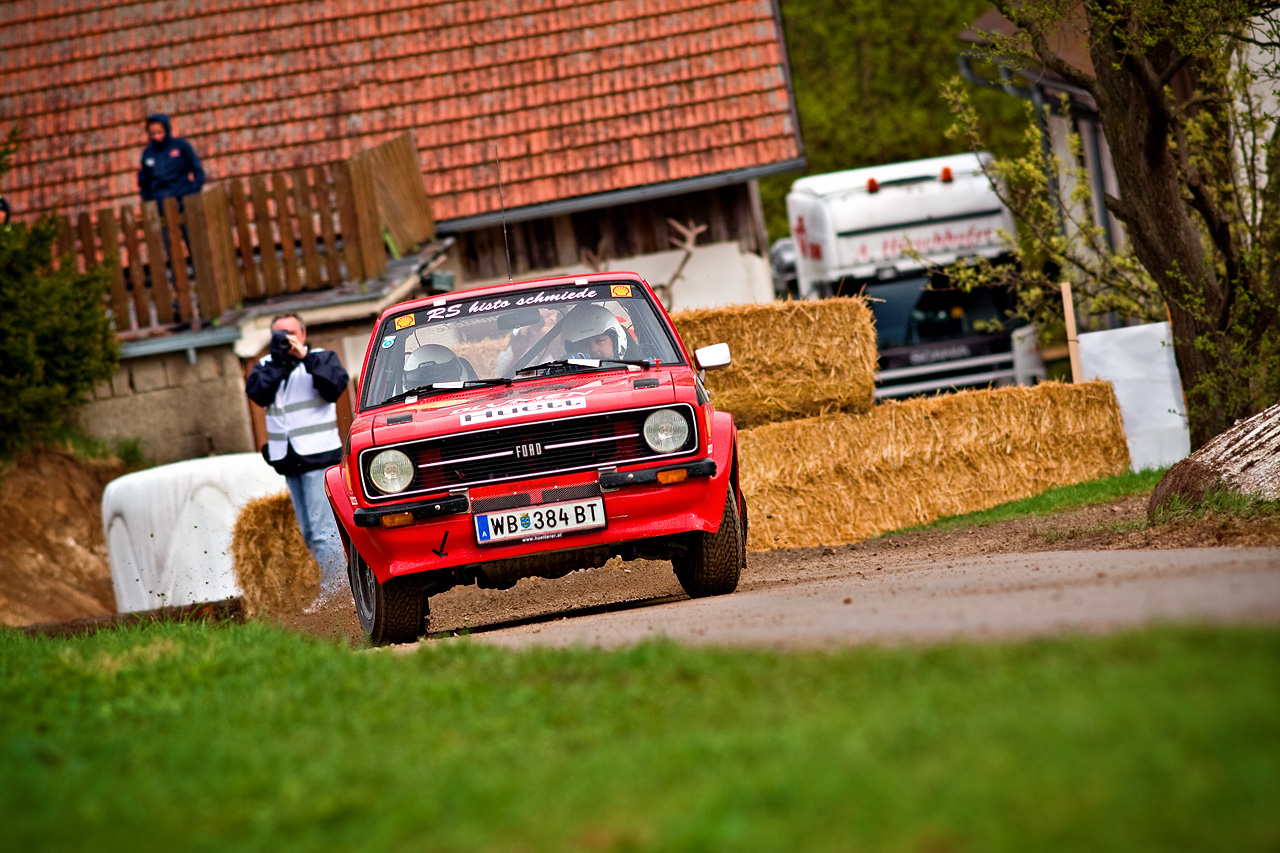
x: 1009, y: 595
x: 1090, y: 569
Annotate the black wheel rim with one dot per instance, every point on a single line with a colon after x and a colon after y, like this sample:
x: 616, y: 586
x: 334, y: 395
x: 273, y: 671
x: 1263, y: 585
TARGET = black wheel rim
x: 364, y: 586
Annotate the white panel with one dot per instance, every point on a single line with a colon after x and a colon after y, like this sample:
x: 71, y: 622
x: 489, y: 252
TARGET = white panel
x: 1138, y: 361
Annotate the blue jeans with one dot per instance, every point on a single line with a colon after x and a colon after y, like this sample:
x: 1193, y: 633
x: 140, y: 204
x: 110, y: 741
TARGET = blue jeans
x: 319, y: 530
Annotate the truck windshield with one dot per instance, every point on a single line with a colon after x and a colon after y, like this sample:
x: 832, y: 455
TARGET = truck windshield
x: 910, y: 312
x: 515, y: 336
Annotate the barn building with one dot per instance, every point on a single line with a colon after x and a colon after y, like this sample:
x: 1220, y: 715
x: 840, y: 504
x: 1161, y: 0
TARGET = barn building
x: 601, y: 119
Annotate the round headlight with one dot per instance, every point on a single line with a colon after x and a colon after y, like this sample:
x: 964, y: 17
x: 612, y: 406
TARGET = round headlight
x: 391, y: 471
x: 665, y: 431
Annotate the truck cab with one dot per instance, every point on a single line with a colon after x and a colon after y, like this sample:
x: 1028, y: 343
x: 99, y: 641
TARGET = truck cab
x: 887, y: 232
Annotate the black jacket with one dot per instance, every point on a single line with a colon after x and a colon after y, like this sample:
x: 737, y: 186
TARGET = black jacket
x: 330, y: 379
x: 171, y: 168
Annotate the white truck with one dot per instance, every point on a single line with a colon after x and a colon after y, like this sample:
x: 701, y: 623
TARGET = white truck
x: 887, y: 231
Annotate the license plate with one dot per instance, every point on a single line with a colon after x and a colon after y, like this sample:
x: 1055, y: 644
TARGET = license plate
x: 548, y: 521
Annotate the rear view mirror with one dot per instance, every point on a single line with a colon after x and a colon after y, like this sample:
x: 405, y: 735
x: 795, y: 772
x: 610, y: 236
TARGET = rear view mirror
x: 713, y: 357
x: 519, y: 318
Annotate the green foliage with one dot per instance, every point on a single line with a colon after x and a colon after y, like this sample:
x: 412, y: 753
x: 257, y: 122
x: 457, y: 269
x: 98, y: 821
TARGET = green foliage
x: 249, y: 738
x: 1185, y: 94
x: 868, y: 80
x: 56, y: 340
x: 1054, y: 241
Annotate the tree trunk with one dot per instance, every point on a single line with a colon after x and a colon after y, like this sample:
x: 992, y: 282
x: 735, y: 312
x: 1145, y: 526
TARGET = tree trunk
x: 1166, y: 235
x: 1204, y: 378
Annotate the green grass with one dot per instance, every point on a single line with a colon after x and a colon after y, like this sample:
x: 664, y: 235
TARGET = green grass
x: 1052, y: 501
x: 194, y: 737
x: 71, y: 439
x: 1178, y: 510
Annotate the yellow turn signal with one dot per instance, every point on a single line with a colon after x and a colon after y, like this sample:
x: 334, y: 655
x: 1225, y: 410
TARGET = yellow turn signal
x: 399, y: 519
x: 678, y: 475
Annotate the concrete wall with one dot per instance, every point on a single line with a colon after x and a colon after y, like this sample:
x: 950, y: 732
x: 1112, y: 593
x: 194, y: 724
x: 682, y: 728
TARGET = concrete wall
x: 178, y: 410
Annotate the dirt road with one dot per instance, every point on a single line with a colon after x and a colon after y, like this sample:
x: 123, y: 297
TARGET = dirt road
x: 997, y: 596
x: 1080, y: 570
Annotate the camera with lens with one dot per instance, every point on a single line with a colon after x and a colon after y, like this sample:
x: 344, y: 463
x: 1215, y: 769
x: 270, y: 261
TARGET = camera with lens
x: 280, y: 344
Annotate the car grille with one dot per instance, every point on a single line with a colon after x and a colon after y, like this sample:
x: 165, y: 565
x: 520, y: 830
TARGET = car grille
x: 527, y: 450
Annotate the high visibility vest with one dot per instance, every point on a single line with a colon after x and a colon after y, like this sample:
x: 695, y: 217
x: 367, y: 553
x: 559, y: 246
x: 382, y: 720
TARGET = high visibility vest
x: 301, y: 417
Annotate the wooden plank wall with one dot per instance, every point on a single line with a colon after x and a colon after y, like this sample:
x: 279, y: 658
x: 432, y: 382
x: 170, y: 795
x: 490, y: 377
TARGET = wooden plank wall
x: 146, y: 256
x: 403, y: 204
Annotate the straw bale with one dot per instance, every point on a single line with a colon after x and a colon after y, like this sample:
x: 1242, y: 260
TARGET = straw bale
x: 790, y: 359
x: 844, y: 477
x: 273, y: 567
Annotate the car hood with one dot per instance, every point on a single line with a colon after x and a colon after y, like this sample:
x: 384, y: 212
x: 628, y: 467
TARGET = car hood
x: 523, y: 402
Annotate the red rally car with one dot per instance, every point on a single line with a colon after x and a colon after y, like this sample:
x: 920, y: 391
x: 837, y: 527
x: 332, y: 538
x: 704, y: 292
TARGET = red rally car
x: 532, y: 429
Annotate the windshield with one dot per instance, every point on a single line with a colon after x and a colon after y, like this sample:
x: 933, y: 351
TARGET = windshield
x: 515, y: 337
x: 910, y: 312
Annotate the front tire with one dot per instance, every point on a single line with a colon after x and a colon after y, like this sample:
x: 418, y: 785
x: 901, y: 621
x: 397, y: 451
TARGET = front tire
x: 391, y: 612
x: 716, y: 560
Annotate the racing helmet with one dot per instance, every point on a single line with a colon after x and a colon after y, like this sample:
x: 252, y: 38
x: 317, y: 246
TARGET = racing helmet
x: 432, y: 363
x: 589, y: 321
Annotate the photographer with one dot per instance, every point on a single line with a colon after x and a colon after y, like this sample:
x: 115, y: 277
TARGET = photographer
x: 298, y: 386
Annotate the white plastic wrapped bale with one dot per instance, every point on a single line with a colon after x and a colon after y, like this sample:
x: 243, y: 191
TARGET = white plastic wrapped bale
x: 168, y: 529
x: 1138, y: 362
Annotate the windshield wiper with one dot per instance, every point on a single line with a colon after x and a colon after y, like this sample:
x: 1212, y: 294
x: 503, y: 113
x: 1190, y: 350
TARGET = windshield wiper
x: 445, y: 386
x: 590, y: 363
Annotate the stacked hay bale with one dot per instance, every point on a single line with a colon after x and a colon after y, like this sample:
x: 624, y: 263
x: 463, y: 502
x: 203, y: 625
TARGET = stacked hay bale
x: 842, y: 478
x: 275, y: 571
x: 790, y: 359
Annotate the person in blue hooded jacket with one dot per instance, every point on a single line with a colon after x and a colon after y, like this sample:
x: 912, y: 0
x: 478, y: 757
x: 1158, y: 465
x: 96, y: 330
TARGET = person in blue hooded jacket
x: 170, y: 167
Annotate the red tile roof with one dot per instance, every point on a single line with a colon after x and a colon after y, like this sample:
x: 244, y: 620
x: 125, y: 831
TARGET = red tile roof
x: 578, y: 97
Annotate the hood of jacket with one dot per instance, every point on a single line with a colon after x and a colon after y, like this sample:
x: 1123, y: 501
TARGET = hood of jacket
x: 162, y: 120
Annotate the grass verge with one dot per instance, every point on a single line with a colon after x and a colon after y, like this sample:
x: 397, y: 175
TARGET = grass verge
x: 200, y: 737
x: 1228, y: 504
x: 1049, y: 502
x: 1219, y: 514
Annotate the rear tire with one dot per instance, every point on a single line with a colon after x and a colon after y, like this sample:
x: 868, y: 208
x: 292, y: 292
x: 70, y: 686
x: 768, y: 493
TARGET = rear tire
x: 391, y: 612
x: 715, y: 562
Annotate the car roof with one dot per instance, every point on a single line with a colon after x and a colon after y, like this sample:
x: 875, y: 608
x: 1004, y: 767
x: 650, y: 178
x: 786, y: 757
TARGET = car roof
x: 498, y: 289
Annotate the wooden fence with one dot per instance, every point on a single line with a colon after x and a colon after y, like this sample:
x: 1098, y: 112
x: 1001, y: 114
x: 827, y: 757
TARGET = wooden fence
x: 238, y: 242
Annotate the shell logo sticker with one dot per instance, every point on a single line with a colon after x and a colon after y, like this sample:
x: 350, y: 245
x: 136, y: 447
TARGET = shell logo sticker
x: 619, y: 291
x: 405, y: 322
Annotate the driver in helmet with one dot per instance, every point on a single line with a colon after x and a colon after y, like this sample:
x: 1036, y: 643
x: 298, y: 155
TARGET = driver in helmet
x: 432, y: 363
x: 591, y: 331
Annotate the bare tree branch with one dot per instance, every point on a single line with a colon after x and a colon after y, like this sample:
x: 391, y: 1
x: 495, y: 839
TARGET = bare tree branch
x: 1270, y: 45
x: 1173, y: 68
x: 1151, y: 82
x: 1203, y: 101
x: 1122, y: 209
x: 1218, y: 224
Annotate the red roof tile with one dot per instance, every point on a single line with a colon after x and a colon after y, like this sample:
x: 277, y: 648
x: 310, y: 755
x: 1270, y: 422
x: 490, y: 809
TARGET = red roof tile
x: 577, y: 97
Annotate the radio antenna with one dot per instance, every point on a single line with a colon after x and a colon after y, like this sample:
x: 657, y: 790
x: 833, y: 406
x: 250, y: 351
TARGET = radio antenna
x: 503, y: 205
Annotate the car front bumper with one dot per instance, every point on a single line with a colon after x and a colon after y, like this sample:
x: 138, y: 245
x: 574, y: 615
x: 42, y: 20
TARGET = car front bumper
x: 442, y: 534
